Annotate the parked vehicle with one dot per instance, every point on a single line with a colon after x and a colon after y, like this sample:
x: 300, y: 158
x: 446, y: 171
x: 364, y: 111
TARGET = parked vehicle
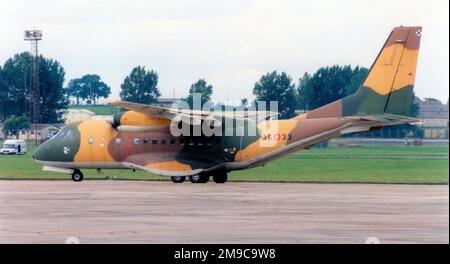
x: 14, y: 147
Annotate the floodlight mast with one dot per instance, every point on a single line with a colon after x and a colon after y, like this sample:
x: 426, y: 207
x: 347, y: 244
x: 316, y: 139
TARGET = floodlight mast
x: 35, y: 99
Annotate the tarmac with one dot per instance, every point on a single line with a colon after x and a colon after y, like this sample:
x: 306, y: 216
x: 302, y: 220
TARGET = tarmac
x: 163, y: 212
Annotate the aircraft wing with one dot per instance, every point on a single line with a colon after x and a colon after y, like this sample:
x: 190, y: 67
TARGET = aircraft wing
x: 382, y: 120
x: 156, y: 110
x: 187, y: 116
x: 195, y: 116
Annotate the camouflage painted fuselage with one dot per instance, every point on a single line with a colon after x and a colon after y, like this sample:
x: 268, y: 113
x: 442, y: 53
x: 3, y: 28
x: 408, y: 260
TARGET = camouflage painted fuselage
x: 93, y: 143
x: 383, y: 99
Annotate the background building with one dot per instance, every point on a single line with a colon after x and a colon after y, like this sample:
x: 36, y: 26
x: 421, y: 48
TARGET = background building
x: 45, y: 131
x: 434, y: 118
x: 166, y: 102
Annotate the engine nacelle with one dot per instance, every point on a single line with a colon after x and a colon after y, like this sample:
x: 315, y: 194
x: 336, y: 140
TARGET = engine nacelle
x: 132, y: 121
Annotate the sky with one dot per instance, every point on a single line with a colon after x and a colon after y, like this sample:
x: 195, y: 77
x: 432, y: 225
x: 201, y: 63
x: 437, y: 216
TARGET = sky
x: 229, y: 43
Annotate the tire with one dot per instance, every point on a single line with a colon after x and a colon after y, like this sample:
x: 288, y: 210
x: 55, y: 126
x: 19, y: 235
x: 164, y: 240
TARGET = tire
x: 178, y: 179
x: 77, y: 175
x: 220, y: 177
x: 199, y: 178
x: 204, y: 178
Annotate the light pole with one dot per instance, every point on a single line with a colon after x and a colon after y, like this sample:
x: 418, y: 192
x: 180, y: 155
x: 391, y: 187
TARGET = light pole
x: 35, y: 99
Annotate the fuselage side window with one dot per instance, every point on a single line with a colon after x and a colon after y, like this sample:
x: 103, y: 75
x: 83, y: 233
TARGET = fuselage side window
x: 163, y: 142
x: 145, y: 140
x: 136, y: 141
x: 154, y: 141
x: 91, y: 140
x: 118, y: 140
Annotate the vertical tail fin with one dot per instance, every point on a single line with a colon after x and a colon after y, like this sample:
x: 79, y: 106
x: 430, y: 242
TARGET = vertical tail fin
x: 388, y: 88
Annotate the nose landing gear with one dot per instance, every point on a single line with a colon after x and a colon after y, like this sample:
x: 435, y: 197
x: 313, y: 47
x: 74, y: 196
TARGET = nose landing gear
x: 178, y: 179
x: 77, y: 175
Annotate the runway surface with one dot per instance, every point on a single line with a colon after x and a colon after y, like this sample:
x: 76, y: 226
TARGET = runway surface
x: 162, y: 212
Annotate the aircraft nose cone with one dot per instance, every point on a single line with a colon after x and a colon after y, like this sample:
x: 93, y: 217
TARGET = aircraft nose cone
x: 40, y: 152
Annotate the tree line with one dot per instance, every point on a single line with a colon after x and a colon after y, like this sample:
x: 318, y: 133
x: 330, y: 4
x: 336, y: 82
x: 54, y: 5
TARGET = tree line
x: 325, y: 85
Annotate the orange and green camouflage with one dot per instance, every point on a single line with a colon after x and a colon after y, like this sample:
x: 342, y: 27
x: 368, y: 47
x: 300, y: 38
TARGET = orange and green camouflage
x: 141, y: 138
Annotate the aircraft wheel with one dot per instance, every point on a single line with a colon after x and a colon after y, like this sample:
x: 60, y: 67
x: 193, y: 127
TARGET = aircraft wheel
x: 178, y: 179
x: 77, y: 175
x: 199, y: 178
x: 220, y: 177
x: 204, y: 178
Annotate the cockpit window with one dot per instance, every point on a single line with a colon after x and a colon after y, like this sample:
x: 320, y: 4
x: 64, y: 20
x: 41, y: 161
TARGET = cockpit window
x: 67, y: 135
x: 60, y: 134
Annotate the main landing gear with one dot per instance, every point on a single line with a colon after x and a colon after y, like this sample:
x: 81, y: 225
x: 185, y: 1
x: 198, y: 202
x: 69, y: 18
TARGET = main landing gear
x: 178, y: 179
x: 77, y: 175
x: 218, y: 177
x: 200, y: 178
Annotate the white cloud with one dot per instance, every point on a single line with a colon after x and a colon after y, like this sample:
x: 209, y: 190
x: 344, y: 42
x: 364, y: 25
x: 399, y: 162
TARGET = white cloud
x: 229, y: 43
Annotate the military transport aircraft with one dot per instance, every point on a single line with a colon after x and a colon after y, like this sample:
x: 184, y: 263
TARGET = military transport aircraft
x: 141, y: 138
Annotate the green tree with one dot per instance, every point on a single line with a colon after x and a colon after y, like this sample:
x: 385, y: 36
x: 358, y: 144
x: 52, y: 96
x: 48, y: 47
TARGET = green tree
x: 89, y: 87
x: 54, y: 101
x: 277, y: 87
x: 15, y: 86
x: 358, y: 76
x: 305, y: 92
x: 141, y: 86
x: 244, y: 102
x: 14, y: 124
x: 17, y: 82
x: 326, y: 85
x: 202, y: 88
x: 74, y: 89
x: 3, y: 96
